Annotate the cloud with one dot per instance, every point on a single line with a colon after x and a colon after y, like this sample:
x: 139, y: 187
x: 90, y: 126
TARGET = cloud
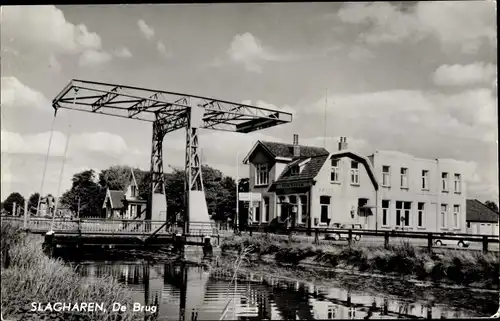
x: 249, y: 51
x: 54, y: 64
x: 463, y: 75
x: 17, y: 95
x: 359, y: 53
x: 44, y: 30
x: 98, y: 142
x: 123, y: 53
x: 92, y: 57
x: 146, y: 30
x: 386, y: 23
x: 468, y: 114
x: 24, y: 157
x: 426, y: 124
x: 162, y: 49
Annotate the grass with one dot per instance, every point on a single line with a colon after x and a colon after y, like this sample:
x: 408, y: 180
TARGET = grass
x: 30, y: 276
x: 459, y: 267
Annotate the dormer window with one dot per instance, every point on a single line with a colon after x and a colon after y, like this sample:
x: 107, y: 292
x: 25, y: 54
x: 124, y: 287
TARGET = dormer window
x: 133, y: 191
x: 261, y: 174
x: 294, y: 170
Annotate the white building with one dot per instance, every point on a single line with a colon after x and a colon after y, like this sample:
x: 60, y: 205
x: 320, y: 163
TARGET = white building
x: 419, y: 194
x: 388, y: 190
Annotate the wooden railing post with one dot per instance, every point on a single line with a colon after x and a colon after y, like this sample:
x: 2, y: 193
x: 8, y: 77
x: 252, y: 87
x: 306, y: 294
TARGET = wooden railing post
x: 386, y: 240
x: 429, y: 242
x: 485, y: 244
x: 349, y: 237
x: 25, y: 223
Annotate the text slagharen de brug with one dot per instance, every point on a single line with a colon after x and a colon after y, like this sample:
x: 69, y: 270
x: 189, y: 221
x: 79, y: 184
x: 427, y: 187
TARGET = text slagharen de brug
x: 89, y: 307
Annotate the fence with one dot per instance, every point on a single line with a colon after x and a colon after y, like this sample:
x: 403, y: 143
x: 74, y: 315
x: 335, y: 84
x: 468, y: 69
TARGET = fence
x: 136, y: 227
x: 109, y: 226
x: 352, y: 235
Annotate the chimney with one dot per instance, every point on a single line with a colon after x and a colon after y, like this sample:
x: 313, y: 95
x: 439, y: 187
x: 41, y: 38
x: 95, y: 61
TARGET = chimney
x: 343, y: 143
x: 296, y: 147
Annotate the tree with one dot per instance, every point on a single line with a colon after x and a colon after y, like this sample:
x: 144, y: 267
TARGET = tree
x: 11, y: 199
x: 244, y: 185
x: 116, y: 177
x: 87, y: 192
x: 492, y: 205
x: 33, y: 202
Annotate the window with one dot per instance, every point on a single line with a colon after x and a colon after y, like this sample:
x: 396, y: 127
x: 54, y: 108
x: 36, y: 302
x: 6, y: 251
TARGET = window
x: 385, y: 212
x: 334, y: 175
x: 354, y: 173
x: 399, y: 207
x: 404, y: 177
x: 294, y: 170
x: 282, y: 208
x: 261, y: 174
x: 407, y: 209
x: 457, y: 183
x: 133, y: 191
x: 266, y: 209
x: 256, y: 211
x: 292, y: 199
x: 425, y: 180
x: 303, y: 209
x: 444, y: 210
x: 444, y: 180
x: 468, y: 224
x: 456, y: 215
x: 403, y: 213
x: 421, y: 211
x: 331, y: 313
x: 386, y: 175
x: 325, y: 205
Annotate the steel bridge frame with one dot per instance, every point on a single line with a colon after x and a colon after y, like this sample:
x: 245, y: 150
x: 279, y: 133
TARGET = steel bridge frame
x: 168, y: 112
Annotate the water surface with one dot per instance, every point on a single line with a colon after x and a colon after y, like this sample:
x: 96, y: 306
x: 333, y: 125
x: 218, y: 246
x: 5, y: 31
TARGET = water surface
x: 187, y: 292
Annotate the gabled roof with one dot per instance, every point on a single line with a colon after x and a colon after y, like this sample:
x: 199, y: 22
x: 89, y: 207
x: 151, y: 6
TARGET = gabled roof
x: 115, y: 197
x: 283, y: 150
x: 477, y: 211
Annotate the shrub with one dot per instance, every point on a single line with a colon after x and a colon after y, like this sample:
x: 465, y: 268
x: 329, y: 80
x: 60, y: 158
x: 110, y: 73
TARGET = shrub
x: 34, y: 277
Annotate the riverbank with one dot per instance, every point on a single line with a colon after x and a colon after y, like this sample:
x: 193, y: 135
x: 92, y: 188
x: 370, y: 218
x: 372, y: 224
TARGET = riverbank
x: 465, y: 268
x: 28, y: 275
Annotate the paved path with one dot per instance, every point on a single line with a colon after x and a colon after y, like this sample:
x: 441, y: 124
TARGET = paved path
x: 379, y: 241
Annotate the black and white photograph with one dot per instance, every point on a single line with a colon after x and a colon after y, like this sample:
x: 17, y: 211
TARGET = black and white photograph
x: 249, y: 161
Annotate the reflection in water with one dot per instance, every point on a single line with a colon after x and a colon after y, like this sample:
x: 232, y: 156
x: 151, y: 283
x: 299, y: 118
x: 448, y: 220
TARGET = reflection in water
x: 190, y: 293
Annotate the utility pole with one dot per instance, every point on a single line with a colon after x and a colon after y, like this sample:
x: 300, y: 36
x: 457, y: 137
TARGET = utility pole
x: 326, y: 107
x: 236, y: 219
x: 78, y: 213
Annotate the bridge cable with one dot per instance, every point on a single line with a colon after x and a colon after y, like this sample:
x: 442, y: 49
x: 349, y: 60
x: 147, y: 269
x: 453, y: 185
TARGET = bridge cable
x: 68, y: 135
x: 46, y: 162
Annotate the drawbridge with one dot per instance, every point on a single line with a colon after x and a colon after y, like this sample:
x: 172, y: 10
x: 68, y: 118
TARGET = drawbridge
x: 168, y: 112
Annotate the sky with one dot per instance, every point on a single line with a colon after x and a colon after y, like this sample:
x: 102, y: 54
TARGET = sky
x: 413, y: 77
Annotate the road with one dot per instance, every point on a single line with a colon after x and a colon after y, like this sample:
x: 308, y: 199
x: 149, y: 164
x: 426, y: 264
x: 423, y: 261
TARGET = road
x: 379, y: 241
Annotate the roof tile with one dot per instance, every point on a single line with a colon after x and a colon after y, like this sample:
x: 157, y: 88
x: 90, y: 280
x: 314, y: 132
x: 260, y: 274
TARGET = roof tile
x: 310, y: 170
x: 479, y: 212
x: 286, y: 150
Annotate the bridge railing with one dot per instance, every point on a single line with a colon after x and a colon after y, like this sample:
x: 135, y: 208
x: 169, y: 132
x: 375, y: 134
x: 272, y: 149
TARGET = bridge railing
x: 110, y: 226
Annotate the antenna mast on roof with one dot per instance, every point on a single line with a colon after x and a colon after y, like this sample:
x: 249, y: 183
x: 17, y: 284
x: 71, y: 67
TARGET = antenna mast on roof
x: 326, y: 105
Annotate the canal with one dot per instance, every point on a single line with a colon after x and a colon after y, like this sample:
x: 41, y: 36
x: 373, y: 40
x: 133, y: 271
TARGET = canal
x: 189, y: 292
